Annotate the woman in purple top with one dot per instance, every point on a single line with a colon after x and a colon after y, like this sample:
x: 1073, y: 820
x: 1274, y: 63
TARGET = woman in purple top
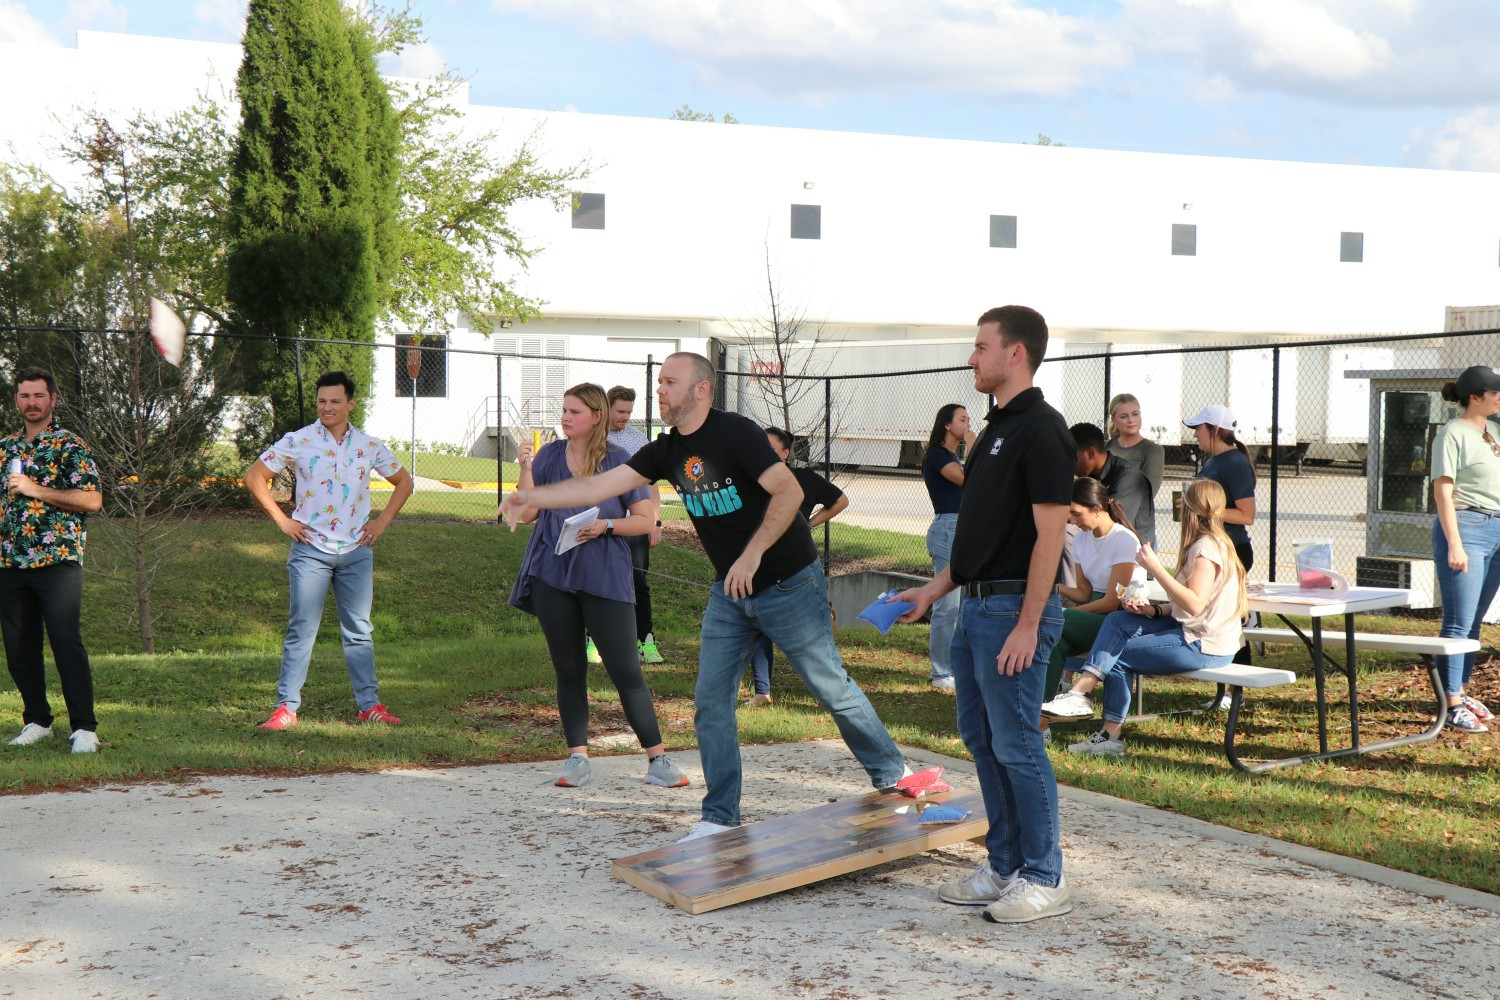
x: 588, y: 586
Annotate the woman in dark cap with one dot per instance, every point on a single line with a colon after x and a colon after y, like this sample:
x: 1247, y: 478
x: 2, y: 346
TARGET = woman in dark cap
x: 1466, y: 532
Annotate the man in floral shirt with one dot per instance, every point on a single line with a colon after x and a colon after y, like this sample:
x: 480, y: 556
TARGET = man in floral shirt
x: 332, y: 536
x: 51, y: 484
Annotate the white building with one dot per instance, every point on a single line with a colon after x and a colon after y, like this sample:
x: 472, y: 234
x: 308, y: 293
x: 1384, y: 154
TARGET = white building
x: 883, y: 237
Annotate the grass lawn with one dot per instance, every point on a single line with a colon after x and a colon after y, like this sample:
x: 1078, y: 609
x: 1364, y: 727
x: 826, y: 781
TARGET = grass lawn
x: 471, y: 677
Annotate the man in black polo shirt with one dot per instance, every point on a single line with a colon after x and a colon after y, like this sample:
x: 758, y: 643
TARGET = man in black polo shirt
x: 743, y: 501
x: 1007, y: 549
x: 1126, y: 483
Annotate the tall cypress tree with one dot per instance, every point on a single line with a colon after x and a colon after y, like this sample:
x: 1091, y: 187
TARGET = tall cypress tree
x: 311, y: 195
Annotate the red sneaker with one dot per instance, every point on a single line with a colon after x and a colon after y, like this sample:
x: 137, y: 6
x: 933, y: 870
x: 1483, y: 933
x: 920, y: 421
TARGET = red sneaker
x: 379, y: 713
x: 282, y: 718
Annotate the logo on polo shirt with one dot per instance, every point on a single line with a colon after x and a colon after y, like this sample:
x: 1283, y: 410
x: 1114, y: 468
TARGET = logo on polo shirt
x: 995, y: 448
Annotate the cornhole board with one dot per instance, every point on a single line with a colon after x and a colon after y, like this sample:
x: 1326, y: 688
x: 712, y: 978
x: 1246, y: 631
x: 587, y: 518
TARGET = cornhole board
x: 759, y: 859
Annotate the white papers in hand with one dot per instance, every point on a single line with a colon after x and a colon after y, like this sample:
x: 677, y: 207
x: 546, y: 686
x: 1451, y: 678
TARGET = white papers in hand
x: 572, y: 526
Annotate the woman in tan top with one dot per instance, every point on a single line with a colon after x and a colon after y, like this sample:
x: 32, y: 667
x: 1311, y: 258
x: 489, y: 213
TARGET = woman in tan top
x: 1199, y: 627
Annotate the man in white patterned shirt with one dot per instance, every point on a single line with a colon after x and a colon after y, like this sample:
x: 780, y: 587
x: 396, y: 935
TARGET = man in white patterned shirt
x: 332, y: 537
x: 621, y: 434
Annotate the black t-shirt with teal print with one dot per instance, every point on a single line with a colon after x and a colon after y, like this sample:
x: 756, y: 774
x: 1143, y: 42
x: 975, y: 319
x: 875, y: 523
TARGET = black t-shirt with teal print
x: 716, y: 471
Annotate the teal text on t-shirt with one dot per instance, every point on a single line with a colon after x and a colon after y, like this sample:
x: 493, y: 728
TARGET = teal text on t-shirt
x: 714, y: 502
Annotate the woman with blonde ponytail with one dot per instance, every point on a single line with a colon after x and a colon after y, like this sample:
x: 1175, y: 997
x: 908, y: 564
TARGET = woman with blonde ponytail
x: 589, y: 586
x: 1199, y: 627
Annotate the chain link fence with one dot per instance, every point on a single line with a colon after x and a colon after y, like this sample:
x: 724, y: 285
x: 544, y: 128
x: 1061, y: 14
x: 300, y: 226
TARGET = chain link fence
x: 1340, y: 430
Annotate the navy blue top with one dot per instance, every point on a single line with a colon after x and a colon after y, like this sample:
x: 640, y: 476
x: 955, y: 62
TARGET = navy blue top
x: 1232, y: 470
x: 945, y: 494
x: 600, y: 566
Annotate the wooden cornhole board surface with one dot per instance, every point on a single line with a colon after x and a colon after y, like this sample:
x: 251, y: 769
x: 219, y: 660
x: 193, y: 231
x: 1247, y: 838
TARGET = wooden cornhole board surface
x: 779, y: 854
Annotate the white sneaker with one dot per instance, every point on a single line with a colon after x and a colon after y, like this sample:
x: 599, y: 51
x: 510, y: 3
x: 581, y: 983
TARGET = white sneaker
x: 1071, y: 705
x: 31, y: 733
x: 704, y: 829
x: 1100, y: 744
x: 943, y: 683
x: 980, y: 888
x: 1025, y: 901
x: 1219, y: 704
x: 85, y: 741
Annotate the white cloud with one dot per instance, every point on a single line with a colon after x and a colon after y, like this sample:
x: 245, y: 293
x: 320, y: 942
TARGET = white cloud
x: 817, y: 50
x: 1469, y: 142
x: 101, y: 15
x: 17, y: 25
x: 219, y: 20
x: 416, y: 61
x: 1368, y: 52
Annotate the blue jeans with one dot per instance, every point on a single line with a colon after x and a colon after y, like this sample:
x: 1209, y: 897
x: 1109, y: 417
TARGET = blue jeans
x: 760, y: 666
x: 997, y: 719
x: 944, y: 614
x: 1466, y: 596
x: 310, y: 570
x: 793, y: 614
x: 1141, y: 645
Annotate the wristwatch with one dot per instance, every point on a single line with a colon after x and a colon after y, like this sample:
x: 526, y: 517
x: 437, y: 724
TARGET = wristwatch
x: 609, y: 527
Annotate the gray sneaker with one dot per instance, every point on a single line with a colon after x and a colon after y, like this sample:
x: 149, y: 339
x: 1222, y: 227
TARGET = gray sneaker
x: 1101, y: 745
x: 575, y: 773
x: 1025, y: 901
x: 981, y: 888
x: 32, y: 733
x: 664, y: 773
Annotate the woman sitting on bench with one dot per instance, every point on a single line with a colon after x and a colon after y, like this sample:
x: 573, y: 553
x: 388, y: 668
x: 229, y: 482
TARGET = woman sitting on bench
x: 1199, y: 627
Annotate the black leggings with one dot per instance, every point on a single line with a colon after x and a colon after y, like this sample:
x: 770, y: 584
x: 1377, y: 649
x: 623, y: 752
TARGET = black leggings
x: 563, y: 617
x: 1247, y: 559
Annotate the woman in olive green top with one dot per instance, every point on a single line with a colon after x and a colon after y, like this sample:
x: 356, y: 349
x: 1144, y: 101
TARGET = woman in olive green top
x: 1127, y: 444
x: 1466, y: 531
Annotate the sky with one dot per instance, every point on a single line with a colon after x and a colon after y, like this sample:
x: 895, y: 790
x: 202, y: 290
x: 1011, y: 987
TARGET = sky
x: 1380, y: 82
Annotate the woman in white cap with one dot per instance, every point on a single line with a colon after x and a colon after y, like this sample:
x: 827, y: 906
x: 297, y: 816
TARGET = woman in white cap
x: 1466, y: 532
x: 1228, y: 464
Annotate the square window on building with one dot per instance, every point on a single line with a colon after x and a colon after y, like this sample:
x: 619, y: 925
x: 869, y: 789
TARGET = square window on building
x: 807, y: 222
x: 1184, y: 240
x: 1351, y: 248
x: 588, y: 211
x: 431, y: 362
x: 1003, y: 232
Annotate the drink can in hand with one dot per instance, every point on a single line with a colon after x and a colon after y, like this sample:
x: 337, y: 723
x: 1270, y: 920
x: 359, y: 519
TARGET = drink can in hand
x: 15, y: 466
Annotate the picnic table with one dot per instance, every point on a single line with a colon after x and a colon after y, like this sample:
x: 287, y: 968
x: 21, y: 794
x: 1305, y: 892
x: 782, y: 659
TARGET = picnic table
x: 1286, y: 601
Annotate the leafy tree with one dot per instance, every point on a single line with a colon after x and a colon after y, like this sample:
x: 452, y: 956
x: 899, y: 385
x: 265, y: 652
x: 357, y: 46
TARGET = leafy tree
x: 685, y: 113
x: 1046, y: 140
x: 311, y: 194
x: 89, y: 264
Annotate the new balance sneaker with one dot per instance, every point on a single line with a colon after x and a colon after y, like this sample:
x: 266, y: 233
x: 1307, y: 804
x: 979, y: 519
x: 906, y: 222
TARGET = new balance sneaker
x: 1219, y: 704
x: 1481, y: 712
x: 575, y: 773
x: 1069, y: 705
x: 1461, y: 718
x: 282, y: 718
x: 663, y: 772
x: 379, y: 713
x: 85, y: 741
x: 1023, y: 902
x: 32, y: 733
x: 591, y: 652
x: 980, y: 888
x: 943, y: 683
x: 703, y: 829
x: 1101, y: 744
x: 649, y: 652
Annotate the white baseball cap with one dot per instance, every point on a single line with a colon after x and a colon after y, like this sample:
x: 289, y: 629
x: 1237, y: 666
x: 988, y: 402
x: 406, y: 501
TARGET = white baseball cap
x: 1218, y: 416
